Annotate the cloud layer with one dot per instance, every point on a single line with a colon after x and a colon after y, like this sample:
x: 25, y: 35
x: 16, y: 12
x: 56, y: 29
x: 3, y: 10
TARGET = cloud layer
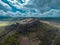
x: 51, y: 13
x: 30, y: 8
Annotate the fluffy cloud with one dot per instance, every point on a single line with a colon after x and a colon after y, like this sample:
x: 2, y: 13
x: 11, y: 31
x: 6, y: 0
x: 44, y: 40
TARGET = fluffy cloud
x: 30, y: 8
x: 52, y: 13
x: 31, y: 13
x: 18, y: 3
x: 5, y: 5
x: 41, y: 5
x: 28, y: 13
x: 45, y: 5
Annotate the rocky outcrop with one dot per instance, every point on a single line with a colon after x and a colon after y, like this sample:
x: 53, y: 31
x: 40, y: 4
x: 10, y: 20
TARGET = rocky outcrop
x: 38, y: 33
x: 24, y: 25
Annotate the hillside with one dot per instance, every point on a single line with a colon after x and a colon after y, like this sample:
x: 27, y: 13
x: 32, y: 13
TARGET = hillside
x: 30, y: 32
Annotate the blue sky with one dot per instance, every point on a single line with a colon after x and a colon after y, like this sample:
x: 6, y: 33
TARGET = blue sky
x: 30, y: 8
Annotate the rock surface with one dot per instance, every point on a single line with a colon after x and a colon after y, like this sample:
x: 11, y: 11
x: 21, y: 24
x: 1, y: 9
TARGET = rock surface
x: 24, y: 25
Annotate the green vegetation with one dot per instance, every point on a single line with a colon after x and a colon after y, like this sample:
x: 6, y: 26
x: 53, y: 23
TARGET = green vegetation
x: 40, y: 34
x: 11, y: 40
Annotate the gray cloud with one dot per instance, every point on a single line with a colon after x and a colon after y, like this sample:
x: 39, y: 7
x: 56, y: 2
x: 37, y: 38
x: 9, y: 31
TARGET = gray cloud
x: 50, y: 8
x: 45, y: 5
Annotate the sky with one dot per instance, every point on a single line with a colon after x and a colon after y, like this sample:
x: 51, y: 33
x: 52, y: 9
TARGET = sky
x: 30, y: 8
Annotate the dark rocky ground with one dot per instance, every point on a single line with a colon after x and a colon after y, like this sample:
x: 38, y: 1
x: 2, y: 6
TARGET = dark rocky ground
x: 30, y: 32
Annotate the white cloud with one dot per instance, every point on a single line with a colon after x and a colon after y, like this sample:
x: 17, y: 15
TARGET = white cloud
x: 17, y: 4
x: 51, y: 13
x: 5, y: 5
